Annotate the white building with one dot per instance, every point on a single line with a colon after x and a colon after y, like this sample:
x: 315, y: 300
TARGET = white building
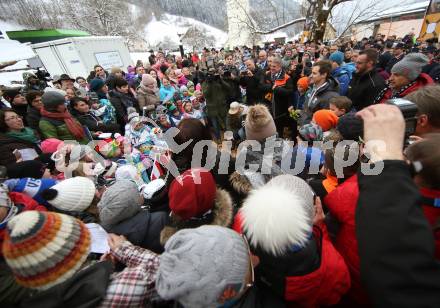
x: 397, y: 21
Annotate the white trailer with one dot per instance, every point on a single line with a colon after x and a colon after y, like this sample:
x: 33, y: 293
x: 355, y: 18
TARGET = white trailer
x: 76, y: 56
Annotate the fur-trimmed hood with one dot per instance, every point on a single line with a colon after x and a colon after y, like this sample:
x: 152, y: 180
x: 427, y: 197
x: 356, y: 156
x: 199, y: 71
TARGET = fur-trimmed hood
x: 222, y: 211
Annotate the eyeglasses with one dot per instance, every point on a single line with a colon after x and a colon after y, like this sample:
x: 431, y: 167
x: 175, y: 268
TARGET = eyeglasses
x: 13, y: 118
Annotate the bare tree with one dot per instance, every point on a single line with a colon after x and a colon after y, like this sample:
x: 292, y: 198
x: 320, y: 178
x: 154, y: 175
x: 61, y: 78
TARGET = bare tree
x: 34, y: 14
x: 104, y: 17
x: 197, y: 38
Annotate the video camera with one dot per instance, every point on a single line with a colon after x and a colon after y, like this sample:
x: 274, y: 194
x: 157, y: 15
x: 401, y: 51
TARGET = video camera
x: 409, y: 111
x: 43, y: 75
x: 212, y: 75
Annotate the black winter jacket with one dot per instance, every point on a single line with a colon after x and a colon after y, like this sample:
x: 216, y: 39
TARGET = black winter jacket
x: 121, y: 102
x: 87, y: 288
x: 143, y: 229
x: 93, y: 123
x: 396, y: 244
x: 319, y: 99
x: 363, y: 89
x: 254, y: 94
x: 282, y: 95
x: 33, y: 117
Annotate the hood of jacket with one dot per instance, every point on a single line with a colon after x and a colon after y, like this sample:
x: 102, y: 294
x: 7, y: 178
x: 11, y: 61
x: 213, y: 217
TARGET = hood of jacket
x: 331, y: 85
x: 143, y: 229
x: 87, y: 288
x: 222, y: 215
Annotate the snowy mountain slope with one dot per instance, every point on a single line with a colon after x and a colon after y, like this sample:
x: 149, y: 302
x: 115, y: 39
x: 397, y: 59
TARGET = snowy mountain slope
x: 167, y: 29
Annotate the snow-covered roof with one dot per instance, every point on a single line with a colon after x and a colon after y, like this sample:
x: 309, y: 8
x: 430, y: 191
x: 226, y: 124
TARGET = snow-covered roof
x: 419, y: 7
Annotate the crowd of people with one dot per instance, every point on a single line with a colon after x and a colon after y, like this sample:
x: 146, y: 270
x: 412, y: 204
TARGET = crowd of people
x: 212, y: 179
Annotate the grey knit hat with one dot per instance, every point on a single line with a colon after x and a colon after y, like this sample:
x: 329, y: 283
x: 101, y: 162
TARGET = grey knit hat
x: 119, y: 202
x: 52, y: 99
x: 199, y: 265
x: 410, y: 66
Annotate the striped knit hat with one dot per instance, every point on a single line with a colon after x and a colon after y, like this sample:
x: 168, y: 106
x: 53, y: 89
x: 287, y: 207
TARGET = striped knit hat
x: 44, y: 249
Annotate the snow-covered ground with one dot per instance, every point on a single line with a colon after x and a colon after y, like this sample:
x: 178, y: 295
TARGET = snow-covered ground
x: 170, y: 25
x: 9, y: 26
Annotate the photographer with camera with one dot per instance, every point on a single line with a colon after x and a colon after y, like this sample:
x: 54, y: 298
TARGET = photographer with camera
x: 250, y: 79
x: 230, y: 75
x: 33, y: 82
x: 216, y: 92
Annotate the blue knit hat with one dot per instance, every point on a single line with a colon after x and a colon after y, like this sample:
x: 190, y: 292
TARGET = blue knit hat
x: 96, y: 84
x: 31, y: 187
x: 337, y: 57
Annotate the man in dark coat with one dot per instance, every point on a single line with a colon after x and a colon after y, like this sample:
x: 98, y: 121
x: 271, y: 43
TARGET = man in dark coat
x: 216, y: 92
x: 398, y: 53
x: 366, y: 83
x: 278, y: 88
x: 386, y: 56
x: 251, y: 80
x: 324, y: 88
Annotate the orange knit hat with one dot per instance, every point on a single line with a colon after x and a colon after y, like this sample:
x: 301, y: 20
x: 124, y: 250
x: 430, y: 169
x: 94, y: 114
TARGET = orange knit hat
x: 303, y: 82
x: 325, y: 118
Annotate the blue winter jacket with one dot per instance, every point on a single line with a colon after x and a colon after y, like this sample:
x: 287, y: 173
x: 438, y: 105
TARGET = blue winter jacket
x: 342, y: 75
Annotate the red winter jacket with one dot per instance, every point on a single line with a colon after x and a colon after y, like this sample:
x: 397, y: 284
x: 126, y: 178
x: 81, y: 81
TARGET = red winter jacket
x: 421, y: 81
x: 25, y: 203
x: 431, y: 209
x: 342, y: 204
x: 324, y: 286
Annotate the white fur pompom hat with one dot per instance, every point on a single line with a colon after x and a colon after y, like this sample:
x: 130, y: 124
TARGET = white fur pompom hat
x: 72, y: 195
x: 279, y: 215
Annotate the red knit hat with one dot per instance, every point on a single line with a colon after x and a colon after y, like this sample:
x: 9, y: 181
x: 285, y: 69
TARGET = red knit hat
x: 192, y: 194
x: 325, y: 118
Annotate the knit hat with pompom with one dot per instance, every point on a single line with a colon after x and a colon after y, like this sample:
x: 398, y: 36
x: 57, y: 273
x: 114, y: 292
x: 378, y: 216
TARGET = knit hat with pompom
x: 259, y: 123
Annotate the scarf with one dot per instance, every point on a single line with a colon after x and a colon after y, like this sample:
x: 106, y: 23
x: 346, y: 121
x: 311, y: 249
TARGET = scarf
x: 394, y: 94
x: 146, y: 90
x: 74, y: 127
x: 25, y: 134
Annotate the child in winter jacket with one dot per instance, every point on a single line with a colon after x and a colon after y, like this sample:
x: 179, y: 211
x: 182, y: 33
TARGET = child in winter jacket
x: 235, y: 119
x: 333, y: 170
x: 33, y: 234
x: 191, y: 113
x: 11, y: 205
x: 31, y: 187
x: 102, y: 108
x: 297, y: 261
x: 166, y: 91
x: 174, y: 116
